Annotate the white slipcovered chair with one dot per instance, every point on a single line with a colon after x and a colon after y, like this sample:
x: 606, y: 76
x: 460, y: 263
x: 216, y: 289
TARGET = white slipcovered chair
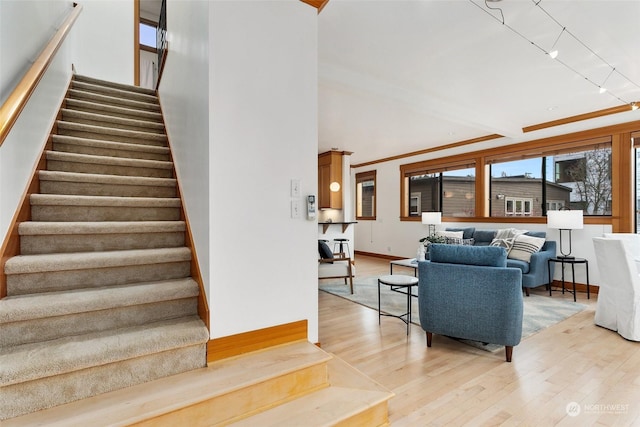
x: 618, y: 306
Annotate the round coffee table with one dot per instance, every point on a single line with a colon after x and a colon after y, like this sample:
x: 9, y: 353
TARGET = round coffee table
x: 396, y: 282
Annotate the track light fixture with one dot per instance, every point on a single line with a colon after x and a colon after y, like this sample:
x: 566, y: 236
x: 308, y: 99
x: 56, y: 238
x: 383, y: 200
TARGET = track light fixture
x: 553, y: 53
x: 489, y: 8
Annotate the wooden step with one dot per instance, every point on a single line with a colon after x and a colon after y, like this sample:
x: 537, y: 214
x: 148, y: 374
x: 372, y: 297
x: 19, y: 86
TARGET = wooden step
x: 225, y: 390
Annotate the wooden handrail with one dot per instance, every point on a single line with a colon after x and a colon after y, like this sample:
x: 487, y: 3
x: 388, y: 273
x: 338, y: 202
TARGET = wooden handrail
x: 17, y: 100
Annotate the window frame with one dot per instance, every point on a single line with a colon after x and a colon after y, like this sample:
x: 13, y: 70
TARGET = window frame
x: 619, y: 136
x: 362, y: 177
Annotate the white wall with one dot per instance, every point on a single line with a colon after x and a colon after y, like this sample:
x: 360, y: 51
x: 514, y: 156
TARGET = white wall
x: 263, y: 119
x: 20, y: 20
x: 387, y: 235
x: 105, y: 50
x: 184, y: 96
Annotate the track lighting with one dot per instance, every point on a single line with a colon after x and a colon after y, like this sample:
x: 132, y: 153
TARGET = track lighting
x: 553, y: 54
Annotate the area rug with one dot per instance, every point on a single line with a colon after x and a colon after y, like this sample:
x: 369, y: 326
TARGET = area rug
x: 540, y: 312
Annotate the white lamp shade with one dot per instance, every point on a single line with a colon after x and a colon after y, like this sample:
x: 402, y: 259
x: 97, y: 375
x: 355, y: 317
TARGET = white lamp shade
x: 431, y: 217
x: 565, y: 220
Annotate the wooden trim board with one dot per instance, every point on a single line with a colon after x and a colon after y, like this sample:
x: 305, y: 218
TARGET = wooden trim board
x: 245, y: 342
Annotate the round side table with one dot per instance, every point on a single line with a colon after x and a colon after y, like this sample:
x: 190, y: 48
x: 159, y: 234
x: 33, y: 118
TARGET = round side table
x: 399, y: 283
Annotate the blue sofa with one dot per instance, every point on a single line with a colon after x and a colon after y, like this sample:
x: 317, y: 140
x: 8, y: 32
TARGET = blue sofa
x: 534, y: 273
x: 469, y: 292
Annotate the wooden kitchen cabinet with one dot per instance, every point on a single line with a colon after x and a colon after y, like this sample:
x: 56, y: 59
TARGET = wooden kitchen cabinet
x: 329, y: 170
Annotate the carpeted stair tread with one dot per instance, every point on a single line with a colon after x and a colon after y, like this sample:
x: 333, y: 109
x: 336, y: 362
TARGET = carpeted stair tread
x: 40, y: 360
x: 112, y: 91
x: 25, y: 264
x: 149, y: 138
x: 32, y: 228
x: 153, y: 399
x: 61, y: 303
x: 112, y: 110
x: 106, y: 179
x: 105, y: 160
x: 323, y: 408
x: 112, y: 100
x: 95, y: 81
x: 70, y: 115
x: 99, y: 147
x: 104, y: 201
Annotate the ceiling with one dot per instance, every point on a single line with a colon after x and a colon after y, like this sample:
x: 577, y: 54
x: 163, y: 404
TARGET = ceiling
x: 397, y: 77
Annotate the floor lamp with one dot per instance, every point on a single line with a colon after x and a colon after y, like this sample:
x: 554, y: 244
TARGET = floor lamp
x: 565, y: 221
x: 432, y: 218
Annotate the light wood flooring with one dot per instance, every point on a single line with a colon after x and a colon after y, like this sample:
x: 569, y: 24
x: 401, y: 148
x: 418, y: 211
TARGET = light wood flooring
x: 571, y: 374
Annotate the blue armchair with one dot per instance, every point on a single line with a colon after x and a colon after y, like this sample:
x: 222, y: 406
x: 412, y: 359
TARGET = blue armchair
x: 469, y: 292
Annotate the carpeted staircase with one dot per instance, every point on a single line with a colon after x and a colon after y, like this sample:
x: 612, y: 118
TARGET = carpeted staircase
x: 100, y: 297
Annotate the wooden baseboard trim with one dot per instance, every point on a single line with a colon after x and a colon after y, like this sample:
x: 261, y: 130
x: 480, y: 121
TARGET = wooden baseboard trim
x: 234, y: 345
x: 372, y: 254
x: 580, y: 287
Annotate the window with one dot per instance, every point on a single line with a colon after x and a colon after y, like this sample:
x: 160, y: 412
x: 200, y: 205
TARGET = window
x: 148, y: 35
x: 366, y: 195
x: 517, y: 207
x: 565, y: 178
x: 449, y: 189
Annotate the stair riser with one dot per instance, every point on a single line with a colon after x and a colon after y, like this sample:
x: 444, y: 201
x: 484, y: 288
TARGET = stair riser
x: 110, y: 125
x: 50, y: 328
x: 156, y: 142
x: 97, y: 189
x: 109, y: 91
x: 116, y: 102
x: 48, y: 244
x: 377, y: 415
x: 30, y: 283
x: 103, y: 213
x: 109, y: 152
x: 121, y: 170
x: 106, y: 83
x: 35, y: 395
x: 247, y: 400
x: 111, y: 111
